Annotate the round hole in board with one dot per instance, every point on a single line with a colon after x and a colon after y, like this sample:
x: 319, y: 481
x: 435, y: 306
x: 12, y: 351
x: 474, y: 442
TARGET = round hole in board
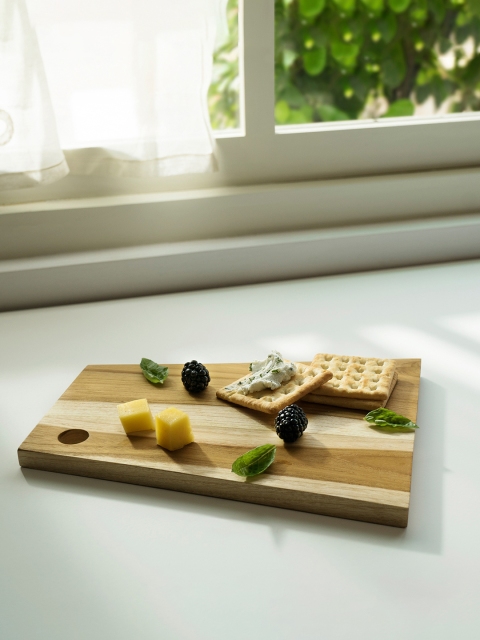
x: 73, y: 436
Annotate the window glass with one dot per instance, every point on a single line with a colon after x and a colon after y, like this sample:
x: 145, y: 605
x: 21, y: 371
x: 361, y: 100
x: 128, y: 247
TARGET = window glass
x: 363, y: 59
x: 223, y: 96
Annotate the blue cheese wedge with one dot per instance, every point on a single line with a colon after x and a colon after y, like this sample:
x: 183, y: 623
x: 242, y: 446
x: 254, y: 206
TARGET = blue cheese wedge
x: 270, y: 373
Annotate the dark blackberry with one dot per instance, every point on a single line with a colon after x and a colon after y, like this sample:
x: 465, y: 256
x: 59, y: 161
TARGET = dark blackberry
x: 290, y: 423
x: 195, y: 376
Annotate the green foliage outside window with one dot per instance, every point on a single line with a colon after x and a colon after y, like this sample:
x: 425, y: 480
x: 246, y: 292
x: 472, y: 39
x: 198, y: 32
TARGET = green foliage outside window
x: 223, y: 95
x: 349, y: 59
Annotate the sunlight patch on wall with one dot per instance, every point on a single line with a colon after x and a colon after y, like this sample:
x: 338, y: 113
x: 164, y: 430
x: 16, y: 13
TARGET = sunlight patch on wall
x: 467, y: 325
x: 439, y: 356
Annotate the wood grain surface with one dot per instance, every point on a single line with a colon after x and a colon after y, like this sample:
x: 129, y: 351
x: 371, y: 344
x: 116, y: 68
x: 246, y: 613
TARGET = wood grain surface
x: 340, y: 467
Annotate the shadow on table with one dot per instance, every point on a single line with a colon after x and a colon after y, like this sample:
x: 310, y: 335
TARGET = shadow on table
x: 424, y: 532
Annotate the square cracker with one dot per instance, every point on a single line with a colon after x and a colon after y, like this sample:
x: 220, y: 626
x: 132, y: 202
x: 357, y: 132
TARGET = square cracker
x: 355, y: 377
x: 351, y: 403
x: 307, y: 378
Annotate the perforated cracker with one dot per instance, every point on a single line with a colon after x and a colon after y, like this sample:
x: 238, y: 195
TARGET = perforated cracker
x: 351, y: 403
x: 307, y: 378
x: 355, y: 377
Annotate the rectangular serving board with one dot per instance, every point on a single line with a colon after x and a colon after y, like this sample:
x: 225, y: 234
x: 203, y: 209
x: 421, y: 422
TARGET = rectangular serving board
x: 339, y: 467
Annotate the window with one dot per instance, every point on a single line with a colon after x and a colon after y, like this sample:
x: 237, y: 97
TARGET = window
x: 340, y: 60
x: 259, y: 153
x: 224, y: 93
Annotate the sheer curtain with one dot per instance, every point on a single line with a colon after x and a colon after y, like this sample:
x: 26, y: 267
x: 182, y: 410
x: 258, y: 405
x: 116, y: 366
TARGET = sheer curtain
x: 112, y: 87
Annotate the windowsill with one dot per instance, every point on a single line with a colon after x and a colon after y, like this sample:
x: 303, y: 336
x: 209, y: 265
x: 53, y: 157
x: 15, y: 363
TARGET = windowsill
x: 180, y: 266
x: 132, y: 220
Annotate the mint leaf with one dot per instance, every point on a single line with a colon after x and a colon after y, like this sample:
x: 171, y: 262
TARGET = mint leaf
x: 153, y: 372
x: 389, y: 420
x: 255, y: 461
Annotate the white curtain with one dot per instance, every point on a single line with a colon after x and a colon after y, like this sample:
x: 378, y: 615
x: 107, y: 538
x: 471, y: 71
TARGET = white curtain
x: 112, y: 87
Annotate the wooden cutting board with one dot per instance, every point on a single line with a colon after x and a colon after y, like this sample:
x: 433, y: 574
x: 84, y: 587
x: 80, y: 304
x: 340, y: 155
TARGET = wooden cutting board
x: 339, y: 467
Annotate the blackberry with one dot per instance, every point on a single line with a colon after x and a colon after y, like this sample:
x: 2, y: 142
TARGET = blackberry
x: 290, y: 423
x: 195, y: 376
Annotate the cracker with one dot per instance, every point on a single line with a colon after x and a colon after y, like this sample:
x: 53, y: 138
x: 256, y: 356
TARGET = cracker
x: 351, y: 403
x: 355, y: 377
x: 307, y: 378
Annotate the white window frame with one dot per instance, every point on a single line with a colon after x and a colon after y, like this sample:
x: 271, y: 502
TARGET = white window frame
x: 270, y: 179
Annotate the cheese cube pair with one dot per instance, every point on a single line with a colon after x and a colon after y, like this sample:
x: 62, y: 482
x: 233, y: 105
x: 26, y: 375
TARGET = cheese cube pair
x: 172, y: 426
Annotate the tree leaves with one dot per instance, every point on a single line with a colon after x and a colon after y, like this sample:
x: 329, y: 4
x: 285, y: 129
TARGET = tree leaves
x: 431, y: 84
x: 312, y: 69
x: 471, y: 73
x: 394, y: 67
x: 400, y: 108
x: 438, y: 9
x: 473, y: 6
x: 347, y: 7
x: 289, y: 58
x: 311, y: 8
x: 282, y: 112
x: 329, y: 113
x: 345, y: 59
x: 314, y: 61
x: 387, y: 27
x: 285, y: 115
x: 375, y: 7
x: 398, y: 6
x: 345, y: 54
x: 418, y: 13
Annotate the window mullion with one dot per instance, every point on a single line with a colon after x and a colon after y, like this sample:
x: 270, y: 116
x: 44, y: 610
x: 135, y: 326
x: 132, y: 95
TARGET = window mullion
x: 258, y: 67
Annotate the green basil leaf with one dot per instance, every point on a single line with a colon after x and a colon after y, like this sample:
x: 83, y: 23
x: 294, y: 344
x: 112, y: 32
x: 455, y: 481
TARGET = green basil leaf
x: 153, y: 372
x: 255, y: 461
x: 389, y: 420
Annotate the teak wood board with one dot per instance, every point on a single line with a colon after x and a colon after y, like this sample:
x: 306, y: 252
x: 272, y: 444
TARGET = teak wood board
x: 339, y: 467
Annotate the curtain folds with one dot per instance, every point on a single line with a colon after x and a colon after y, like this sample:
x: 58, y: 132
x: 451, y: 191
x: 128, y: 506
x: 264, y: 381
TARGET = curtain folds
x: 30, y: 152
x: 105, y: 87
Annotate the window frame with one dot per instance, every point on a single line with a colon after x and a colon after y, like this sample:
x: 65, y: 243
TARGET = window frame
x: 260, y: 154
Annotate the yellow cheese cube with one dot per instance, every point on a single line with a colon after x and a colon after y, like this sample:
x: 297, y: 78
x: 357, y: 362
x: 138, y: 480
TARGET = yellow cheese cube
x: 173, y: 429
x: 136, y: 416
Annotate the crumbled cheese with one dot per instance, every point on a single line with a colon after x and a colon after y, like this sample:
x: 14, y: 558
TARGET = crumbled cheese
x: 270, y: 373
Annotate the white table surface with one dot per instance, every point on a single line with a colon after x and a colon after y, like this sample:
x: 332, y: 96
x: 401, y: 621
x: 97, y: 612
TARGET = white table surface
x: 89, y: 559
